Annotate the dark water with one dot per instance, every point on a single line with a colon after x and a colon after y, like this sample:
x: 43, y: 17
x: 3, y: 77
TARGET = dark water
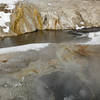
x: 59, y: 36
x: 42, y: 37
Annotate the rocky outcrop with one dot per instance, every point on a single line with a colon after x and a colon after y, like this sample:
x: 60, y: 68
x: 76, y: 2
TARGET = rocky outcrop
x: 34, y: 15
x: 25, y: 18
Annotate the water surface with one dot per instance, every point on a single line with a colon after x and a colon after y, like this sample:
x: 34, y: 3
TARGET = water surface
x: 52, y: 37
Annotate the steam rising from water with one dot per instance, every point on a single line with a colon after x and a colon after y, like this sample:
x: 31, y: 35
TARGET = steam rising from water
x: 66, y: 86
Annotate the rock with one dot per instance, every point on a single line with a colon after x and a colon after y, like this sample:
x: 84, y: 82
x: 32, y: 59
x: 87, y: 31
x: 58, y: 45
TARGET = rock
x: 66, y: 14
x: 28, y: 16
x: 25, y: 18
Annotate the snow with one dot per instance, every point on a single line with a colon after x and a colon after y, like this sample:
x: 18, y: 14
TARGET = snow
x: 49, y: 4
x: 9, y: 1
x: 5, y: 17
x: 94, y: 38
x: 77, y: 27
x: 6, y: 29
x: 82, y: 23
x: 10, y: 7
x: 23, y: 48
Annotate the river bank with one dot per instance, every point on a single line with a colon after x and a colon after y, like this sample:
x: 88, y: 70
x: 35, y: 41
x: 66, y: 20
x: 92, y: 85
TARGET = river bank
x: 19, y: 17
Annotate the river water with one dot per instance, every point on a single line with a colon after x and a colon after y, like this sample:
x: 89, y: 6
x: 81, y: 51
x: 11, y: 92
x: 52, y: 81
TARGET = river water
x: 51, y: 37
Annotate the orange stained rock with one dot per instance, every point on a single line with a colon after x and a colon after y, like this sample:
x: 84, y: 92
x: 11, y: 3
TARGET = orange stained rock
x: 18, y: 17
x: 4, y: 60
x: 37, y: 19
x: 82, y: 50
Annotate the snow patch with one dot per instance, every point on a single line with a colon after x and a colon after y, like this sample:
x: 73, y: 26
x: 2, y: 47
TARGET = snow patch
x: 78, y: 27
x: 4, y: 19
x: 6, y: 29
x: 10, y: 7
x: 82, y: 23
x: 9, y: 1
x: 94, y: 38
x: 23, y: 48
x: 49, y: 4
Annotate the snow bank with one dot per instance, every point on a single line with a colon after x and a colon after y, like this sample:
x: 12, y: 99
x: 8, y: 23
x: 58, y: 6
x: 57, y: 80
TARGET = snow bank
x: 94, y: 38
x: 23, y: 48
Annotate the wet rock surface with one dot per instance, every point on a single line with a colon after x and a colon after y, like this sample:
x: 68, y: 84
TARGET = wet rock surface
x: 12, y: 63
x: 61, y: 72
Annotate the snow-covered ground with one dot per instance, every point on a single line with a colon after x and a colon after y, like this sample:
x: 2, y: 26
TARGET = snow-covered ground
x: 23, y: 48
x: 9, y: 1
x: 5, y: 17
x: 94, y: 38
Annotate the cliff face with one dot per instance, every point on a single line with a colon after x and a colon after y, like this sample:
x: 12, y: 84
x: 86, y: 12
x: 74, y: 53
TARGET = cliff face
x: 27, y: 16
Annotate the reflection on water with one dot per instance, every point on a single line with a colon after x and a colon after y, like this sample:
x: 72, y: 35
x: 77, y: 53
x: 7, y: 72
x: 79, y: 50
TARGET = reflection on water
x: 61, y: 36
x: 42, y: 37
